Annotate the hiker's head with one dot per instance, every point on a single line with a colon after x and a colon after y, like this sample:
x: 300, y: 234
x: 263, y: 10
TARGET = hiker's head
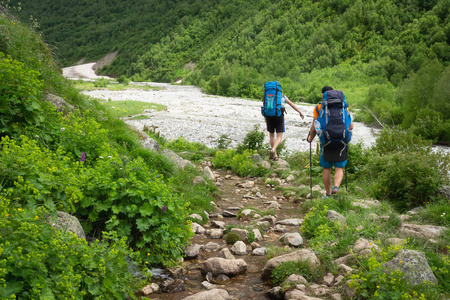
x: 326, y: 88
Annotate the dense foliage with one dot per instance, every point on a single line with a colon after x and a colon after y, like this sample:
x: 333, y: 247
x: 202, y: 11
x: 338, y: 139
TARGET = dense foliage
x: 132, y: 203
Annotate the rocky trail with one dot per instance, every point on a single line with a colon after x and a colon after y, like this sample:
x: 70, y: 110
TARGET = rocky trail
x: 209, y: 242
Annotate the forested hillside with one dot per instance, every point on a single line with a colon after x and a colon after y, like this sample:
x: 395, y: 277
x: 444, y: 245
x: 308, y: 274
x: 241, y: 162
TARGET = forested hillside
x: 367, y: 48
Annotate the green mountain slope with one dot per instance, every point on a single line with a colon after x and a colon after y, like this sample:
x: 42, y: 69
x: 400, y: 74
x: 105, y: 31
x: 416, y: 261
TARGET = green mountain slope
x: 232, y: 47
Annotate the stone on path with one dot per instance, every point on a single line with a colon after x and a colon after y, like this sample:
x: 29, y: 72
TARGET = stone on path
x: 300, y: 255
x: 229, y: 267
x: 239, y: 248
x: 292, y: 239
x: 216, y: 294
x: 291, y: 222
x: 67, y: 222
x: 176, y: 159
x: 193, y: 250
x: 421, y: 231
x: 413, y: 265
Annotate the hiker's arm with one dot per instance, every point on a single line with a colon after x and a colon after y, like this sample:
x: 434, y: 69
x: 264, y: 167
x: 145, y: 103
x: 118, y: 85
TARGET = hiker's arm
x: 294, y: 107
x: 351, y: 126
x: 312, y: 132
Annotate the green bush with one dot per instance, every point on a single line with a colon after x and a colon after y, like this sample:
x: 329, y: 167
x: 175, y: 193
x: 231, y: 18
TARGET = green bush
x: 101, y: 83
x: 405, y: 170
x: 181, y: 144
x: 125, y: 196
x: 284, y: 270
x: 123, y: 80
x: 253, y: 140
x: 40, y: 262
x: 21, y: 97
x: 240, y: 164
x: 35, y: 176
x: 373, y: 282
x: 83, y: 134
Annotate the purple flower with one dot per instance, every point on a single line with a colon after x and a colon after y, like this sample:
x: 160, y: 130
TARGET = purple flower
x: 83, y: 156
x: 164, y: 208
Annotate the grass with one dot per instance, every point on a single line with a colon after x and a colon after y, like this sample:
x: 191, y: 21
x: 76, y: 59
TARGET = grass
x: 123, y: 109
x: 113, y: 86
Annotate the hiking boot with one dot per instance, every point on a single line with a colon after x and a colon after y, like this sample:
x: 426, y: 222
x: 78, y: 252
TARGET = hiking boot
x: 334, y: 190
x: 326, y: 196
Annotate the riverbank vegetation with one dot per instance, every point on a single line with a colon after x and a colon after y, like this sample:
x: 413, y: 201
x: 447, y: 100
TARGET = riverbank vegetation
x: 134, y: 204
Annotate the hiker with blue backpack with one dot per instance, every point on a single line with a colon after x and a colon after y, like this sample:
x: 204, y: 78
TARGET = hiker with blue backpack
x: 333, y: 124
x: 273, y: 110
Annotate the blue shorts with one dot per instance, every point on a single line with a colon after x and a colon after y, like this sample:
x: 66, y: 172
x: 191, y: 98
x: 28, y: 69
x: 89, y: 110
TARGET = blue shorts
x: 329, y: 164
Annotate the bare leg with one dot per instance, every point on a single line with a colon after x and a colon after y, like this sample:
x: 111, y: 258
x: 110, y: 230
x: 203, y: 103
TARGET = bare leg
x: 327, y: 180
x: 277, y: 143
x: 338, y: 175
x: 271, y: 139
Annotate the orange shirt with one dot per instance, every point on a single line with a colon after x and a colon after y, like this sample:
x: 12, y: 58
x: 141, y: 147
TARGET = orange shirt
x: 316, y: 110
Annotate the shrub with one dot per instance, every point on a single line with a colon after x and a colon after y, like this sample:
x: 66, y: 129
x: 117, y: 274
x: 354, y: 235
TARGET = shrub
x: 101, y: 83
x: 35, y: 176
x: 123, y: 80
x: 374, y: 282
x: 124, y: 195
x: 418, y: 179
x: 78, y: 135
x: 284, y: 270
x: 181, y: 144
x: 21, y: 98
x: 40, y: 262
x: 240, y: 164
x: 253, y: 140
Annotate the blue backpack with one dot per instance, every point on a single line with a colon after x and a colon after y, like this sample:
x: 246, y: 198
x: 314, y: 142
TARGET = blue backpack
x: 272, y: 99
x: 334, y: 119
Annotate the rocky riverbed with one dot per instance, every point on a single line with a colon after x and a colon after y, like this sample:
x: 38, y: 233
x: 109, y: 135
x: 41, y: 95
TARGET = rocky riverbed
x: 203, y: 118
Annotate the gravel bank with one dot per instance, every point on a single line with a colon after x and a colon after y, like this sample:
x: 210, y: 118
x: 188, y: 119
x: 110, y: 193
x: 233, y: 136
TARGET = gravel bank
x: 204, y: 118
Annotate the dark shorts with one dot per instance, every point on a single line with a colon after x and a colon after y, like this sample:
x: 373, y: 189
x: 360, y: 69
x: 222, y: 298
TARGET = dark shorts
x: 275, y: 124
x: 328, y: 164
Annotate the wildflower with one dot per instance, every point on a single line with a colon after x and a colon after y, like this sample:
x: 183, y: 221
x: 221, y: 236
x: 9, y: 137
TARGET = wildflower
x: 109, y: 156
x: 401, y: 261
x: 19, y: 209
x: 101, y: 157
x: 37, y: 217
x: 6, y: 215
x: 36, y: 136
x: 62, y: 129
x: 83, y: 156
x: 164, y: 208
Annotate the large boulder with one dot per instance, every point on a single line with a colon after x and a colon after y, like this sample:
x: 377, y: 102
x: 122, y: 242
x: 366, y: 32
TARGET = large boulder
x: 149, y: 143
x: 176, y: 159
x: 300, y: 255
x: 421, y: 231
x: 67, y: 222
x: 214, y: 294
x: 413, y: 265
x: 229, y: 267
x: 59, y: 103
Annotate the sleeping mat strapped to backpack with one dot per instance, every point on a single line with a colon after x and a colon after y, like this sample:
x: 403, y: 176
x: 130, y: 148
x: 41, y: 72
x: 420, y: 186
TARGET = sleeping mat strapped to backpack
x: 334, y: 120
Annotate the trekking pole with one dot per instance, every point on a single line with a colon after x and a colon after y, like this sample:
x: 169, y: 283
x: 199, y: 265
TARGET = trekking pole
x: 310, y: 168
x: 345, y: 171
